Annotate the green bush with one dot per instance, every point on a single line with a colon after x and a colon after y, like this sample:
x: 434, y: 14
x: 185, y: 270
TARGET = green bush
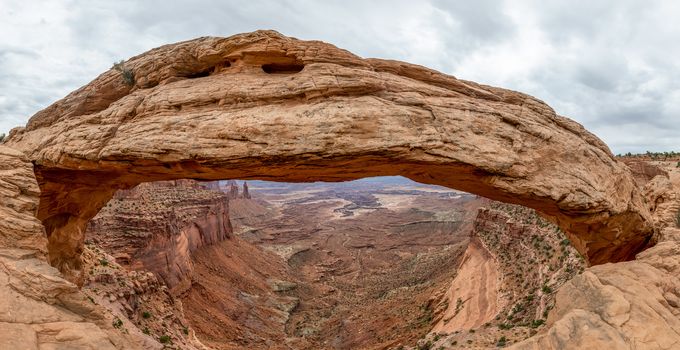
x: 164, y: 339
x: 117, y: 323
x: 501, y: 342
x: 146, y: 314
x: 537, y: 323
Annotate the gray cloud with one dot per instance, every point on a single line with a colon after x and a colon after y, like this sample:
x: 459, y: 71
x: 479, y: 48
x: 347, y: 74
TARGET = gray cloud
x: 611, y: 65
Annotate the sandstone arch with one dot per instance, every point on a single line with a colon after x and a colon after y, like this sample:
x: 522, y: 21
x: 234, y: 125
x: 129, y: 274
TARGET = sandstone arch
x: 262, y: 105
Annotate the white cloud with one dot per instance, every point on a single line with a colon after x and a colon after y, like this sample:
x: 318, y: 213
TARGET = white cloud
x: 611, y: 65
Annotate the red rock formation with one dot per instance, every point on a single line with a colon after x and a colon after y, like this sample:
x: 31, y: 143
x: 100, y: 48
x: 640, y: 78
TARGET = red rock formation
x: 210, y: 185
x: 246, y: 194
x: 157, y: 226
x: 232, y: 189
x: 643, y: 170
x: 38, y: 307
x: 262, y: 105
x: 506, y: 284
x: 181, y: 232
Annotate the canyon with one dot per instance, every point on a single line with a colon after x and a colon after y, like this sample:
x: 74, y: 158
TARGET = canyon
x: 107, y: 242
x: 368, y: 264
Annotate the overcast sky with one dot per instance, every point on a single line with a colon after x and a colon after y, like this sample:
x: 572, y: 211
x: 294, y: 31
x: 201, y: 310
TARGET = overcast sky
x: 613, y: 66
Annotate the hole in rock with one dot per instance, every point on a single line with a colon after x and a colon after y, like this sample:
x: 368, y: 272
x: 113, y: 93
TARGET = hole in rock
x: 282, y: 68
x: 201, y: 74
x: 369, y: 263
x: 208, y: 71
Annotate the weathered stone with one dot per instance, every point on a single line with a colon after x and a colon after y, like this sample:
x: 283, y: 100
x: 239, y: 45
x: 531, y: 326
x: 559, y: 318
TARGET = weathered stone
x: 265, y: 106
x: 17, y: 337
x: 19, y: 228
x: 39, y: 309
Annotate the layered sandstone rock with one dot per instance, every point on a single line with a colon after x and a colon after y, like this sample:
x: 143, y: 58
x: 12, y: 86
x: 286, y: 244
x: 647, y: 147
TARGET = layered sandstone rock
x: 180, y: 231
x: 231, y: 188
x: 505, y: 286
x: 141, y: 304
x: 630, y: 305
x: 39, y: 309
x: 643, y: 170
x: 262, y: 105
x: 157, y: 226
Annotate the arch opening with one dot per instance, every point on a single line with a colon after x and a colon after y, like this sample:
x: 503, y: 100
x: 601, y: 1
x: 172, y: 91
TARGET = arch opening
x: 89, y: 192
x: 387, y: 244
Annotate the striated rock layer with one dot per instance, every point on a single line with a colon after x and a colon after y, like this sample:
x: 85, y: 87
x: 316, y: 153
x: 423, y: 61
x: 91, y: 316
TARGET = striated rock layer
x: 505, y: 286
x: 264, y: 106
x: 39, y: 309
x: 628, y: 305
x: 157, y: 226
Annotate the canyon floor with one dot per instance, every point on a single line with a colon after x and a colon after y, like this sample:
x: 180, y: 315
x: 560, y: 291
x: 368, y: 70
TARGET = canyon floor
x: 377, y: 263
x: 367, y: 255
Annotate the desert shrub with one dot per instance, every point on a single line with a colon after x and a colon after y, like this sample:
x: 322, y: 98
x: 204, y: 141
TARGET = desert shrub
x: 104, y: 262
x: 537, y: 323
x: 146, y: 314
x: 126, y: 73
x: 164, y: 339
x: 117, y: 323
x: 501, y: 342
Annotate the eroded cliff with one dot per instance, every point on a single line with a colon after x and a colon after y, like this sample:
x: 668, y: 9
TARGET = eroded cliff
x: 157, y: 226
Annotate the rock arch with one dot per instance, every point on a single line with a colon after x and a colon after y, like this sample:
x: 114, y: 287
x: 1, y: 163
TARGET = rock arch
x: 265, y: 106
